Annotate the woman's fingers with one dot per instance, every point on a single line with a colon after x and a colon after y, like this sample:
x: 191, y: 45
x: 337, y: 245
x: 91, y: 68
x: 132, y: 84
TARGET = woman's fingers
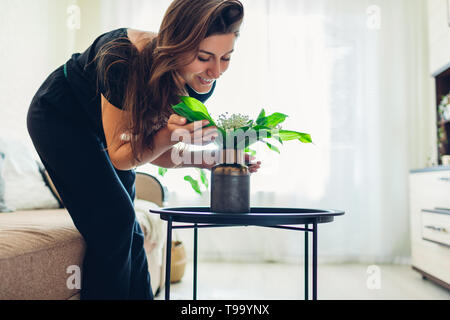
x: 249, y: 157
x: 205, y: 137
x: 177, y: 120
x: 211, y: 131
x: 254, y: 167
x: 195, y: 126
x: 191, y: 133
x: 181, y: 123
x: 201, y: 135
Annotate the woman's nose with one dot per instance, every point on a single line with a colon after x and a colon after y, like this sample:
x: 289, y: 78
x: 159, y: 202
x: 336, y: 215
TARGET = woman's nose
x: 215, y: 71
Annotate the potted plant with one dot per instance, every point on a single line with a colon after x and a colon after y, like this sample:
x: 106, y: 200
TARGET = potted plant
x: 230, y: 177
x: 444, y: 108
x: 444, y: 128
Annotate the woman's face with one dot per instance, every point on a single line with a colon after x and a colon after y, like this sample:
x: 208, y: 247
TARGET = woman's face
x: 211, y: 61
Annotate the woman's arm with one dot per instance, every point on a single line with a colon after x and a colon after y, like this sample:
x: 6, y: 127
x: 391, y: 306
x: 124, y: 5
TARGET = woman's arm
x: 122, y: 157
x: 177, y: 157
x: 196, y: 159
x: 119, y: 150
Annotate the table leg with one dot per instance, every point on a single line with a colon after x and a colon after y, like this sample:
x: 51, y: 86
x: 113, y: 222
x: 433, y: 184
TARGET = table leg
x: 306, y: 262
x: 195, y: 261
x: 168, y: 256
x: 314, y: 261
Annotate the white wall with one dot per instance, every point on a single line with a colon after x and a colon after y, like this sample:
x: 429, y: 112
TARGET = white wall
x: 35, y: 41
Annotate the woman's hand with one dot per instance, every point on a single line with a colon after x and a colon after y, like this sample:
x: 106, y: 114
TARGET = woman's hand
x: 253, y: 167
x: 194, y: 133
x: 191, y: 133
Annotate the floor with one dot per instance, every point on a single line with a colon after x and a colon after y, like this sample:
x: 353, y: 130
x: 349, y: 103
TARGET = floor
x: 273, y: 281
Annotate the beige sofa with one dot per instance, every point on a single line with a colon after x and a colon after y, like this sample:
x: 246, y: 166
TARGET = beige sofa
x: 40, y: 250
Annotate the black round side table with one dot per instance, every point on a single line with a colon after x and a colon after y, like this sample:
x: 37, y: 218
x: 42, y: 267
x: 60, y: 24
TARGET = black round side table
x: 282, y: 218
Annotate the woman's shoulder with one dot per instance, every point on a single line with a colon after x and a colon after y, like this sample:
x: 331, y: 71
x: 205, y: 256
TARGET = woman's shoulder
x: 140, y: 38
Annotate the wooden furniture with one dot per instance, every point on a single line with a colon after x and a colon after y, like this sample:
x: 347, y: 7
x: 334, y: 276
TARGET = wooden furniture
x: 430, y: 223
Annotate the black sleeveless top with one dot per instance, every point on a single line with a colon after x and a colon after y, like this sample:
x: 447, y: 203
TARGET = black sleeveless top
x: 88, y: 83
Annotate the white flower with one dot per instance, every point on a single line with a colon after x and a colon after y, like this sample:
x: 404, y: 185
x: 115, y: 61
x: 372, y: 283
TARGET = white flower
x: 235, y: 121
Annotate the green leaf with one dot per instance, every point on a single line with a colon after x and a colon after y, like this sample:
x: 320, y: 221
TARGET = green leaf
x: 162, y: 171
x: 194, y: 184
x: 277, y: 137
x: 261, y: 116
x: 261, y: 127
x: 204, y: 178
x: 287, y: 135
x: 261, y: 133
x: 271, y: 146
x: 273, y: 120
x: 198, y: 108
x: 247, y: 127
x: 193, y: 110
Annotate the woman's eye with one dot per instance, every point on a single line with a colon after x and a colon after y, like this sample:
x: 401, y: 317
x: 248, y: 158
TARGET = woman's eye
x: 206, y: 60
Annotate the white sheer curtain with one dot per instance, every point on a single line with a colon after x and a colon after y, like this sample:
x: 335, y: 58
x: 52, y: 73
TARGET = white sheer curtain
x: 353, y: 74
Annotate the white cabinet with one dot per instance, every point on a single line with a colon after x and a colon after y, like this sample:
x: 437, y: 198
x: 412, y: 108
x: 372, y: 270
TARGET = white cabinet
x: 430, y: 223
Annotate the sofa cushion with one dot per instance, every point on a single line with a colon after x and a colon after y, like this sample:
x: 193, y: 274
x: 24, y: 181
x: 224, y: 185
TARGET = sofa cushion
x: 3, y: 207
x: 36, y: 250
x: 25, y: 188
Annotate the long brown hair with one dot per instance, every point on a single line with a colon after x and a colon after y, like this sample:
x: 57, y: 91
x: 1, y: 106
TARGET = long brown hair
x: 153, y: 83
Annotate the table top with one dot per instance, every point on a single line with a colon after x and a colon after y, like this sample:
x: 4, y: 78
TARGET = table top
x: 258, y: 216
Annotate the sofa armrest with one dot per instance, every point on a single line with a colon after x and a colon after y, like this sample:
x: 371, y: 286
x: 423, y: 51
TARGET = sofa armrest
x: 149, y: 188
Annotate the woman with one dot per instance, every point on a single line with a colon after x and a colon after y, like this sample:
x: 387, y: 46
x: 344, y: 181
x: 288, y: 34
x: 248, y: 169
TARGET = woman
x: 108, y: 111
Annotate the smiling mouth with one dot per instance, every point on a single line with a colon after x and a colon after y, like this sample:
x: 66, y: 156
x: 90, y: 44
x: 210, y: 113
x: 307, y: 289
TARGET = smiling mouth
x: 205, y: 81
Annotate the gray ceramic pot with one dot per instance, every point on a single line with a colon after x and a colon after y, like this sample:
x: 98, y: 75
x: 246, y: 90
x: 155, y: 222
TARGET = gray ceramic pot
x: 230, y: 184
